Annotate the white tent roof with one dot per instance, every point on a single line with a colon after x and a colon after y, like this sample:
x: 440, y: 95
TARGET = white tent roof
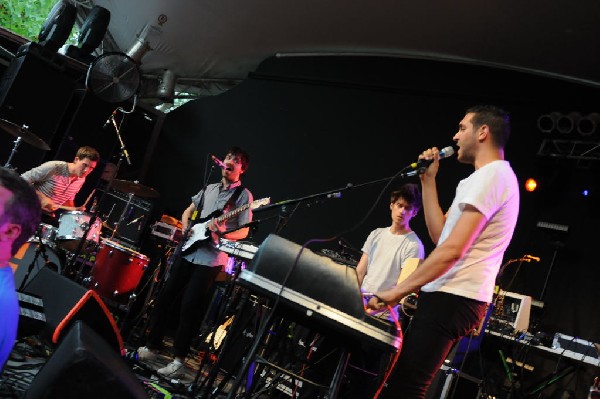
x: 205, y: 42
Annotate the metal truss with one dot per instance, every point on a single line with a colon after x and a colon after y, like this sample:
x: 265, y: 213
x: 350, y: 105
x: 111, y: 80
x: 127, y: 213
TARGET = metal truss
x: 570, y: 149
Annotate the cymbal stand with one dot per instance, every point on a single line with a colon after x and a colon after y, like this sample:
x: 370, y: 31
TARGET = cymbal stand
x: 17, y: 142
x: 122, y: 217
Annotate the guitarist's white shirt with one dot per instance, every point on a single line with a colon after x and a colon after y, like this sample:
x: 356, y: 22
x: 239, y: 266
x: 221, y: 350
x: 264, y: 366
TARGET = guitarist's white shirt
x: 215, y: 199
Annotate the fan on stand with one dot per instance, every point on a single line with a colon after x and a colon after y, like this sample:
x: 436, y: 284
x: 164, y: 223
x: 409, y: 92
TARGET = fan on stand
x: 114, y: 77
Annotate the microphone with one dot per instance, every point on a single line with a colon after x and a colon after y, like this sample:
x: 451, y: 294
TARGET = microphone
x: 218, y: 162
x: 110, y: 118
x: 422, y: 164
x: 534, y: 258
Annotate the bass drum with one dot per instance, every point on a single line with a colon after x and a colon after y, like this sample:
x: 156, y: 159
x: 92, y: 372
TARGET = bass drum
x: 30, y: 257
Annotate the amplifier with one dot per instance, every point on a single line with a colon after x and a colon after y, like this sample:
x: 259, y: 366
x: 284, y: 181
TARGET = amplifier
x: 136, y: 213
x: 166, y: 231
x: 511, y: 312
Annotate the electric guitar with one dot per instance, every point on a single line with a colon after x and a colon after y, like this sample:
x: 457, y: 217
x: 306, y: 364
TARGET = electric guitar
x: 199, y: 231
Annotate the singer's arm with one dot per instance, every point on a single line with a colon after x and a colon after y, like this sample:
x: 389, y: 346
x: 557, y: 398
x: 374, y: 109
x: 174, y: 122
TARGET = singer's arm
x: 434, y: 216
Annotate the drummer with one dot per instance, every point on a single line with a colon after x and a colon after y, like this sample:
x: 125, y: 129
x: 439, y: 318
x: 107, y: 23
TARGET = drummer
x: 57, y: 182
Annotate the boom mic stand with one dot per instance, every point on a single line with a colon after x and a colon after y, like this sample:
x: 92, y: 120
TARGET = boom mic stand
x: 41, y: 249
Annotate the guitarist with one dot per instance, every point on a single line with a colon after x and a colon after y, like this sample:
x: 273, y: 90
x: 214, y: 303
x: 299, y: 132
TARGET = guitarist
x: 57, y: 182
x: 194, y: 274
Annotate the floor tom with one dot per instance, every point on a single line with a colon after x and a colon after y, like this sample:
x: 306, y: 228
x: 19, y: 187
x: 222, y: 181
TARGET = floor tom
x: 117, y: 271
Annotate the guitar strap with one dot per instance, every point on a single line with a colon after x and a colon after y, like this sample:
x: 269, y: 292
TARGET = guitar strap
x: 231, y: 202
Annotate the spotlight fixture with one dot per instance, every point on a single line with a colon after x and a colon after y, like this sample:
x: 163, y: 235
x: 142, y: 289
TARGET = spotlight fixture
x: 58, y: 26
x: 166, y: 86
x: 91, y: 35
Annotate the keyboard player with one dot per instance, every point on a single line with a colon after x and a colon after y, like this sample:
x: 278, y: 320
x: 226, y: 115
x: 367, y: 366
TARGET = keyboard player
x: 387, y: 249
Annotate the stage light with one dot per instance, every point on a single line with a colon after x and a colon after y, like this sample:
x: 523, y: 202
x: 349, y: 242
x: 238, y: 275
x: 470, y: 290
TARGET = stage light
x: 530, y: 185
x: 565, y: 124
x: 58, y: 26
x: 546, y: 123
x: 166, y: 86
x: 585, y: 192
x: 588, y: 125
x: 91, y: 34
x: 143, y: 43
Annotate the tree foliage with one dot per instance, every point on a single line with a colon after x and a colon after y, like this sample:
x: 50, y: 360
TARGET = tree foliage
x: 26, y: 18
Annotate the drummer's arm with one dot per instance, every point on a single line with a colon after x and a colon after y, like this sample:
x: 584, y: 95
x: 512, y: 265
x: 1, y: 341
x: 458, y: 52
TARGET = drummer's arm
x: 70, y: 206
x: 47, y: 204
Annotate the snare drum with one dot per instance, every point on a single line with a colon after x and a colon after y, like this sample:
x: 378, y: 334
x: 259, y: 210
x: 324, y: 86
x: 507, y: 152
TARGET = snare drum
x: 71, y: 227
x: 117, y: 271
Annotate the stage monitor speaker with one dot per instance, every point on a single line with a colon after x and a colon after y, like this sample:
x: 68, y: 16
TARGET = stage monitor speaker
x: 84, y: 366
x: 66, y: 302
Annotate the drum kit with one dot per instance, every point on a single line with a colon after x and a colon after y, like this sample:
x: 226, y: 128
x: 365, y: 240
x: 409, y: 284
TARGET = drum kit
x: 116, y: 269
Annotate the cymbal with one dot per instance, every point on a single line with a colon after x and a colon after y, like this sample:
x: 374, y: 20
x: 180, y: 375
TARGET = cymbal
x: 24, y: 134
x: 135, y: 188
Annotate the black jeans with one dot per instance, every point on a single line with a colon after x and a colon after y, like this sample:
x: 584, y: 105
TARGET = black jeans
x: 194, y: 283
x: 440, y: 321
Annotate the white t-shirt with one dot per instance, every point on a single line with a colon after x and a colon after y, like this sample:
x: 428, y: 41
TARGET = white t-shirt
x: 387, y: 253
x: 494, y: 190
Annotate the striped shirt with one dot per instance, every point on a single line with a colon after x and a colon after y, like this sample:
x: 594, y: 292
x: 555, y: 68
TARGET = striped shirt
x: 53, y: 180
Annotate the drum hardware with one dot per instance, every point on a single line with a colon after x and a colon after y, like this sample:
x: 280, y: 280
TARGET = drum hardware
x: 135, y: 188
x: 46, y: 234
x: 22, y: 134
x: 122, y: 217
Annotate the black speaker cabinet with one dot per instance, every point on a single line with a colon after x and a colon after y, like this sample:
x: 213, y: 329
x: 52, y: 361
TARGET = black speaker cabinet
x: 84, y: 366
x: 35, y: 91
x: 66, y: 302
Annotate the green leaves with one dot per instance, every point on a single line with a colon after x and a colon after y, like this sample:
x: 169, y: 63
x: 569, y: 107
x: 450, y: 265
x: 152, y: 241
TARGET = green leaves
x: 26, y: 18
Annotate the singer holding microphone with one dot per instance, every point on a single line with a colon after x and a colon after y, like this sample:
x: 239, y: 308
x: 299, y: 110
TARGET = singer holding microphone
x: 193, y: 274
x: 456, y: 281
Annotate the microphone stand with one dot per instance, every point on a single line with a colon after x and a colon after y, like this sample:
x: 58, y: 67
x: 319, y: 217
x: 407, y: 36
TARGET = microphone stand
x: 41, y: 249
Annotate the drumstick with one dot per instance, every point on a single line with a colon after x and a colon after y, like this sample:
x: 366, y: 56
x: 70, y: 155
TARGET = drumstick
x: 89, y: 198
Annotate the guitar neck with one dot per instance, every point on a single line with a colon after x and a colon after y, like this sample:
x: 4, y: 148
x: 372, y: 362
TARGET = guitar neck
x: 232, y: 213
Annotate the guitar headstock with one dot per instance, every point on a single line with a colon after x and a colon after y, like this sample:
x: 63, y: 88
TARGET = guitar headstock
x: 260, y: 202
